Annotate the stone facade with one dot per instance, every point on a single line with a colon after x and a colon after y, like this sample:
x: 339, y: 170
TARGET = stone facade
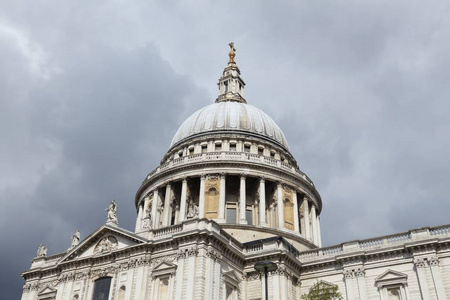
x: 228, y: 194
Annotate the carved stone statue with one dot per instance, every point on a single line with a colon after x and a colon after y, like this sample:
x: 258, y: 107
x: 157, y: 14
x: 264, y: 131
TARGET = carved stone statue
x: 75, y: 239
x: 106, y: 244
x: 192, y: 210
x: 112, y: 213
x: 148, y: 220
x: 42, y: 251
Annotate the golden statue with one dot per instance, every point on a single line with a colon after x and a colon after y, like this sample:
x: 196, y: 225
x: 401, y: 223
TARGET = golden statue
x: 231, y: 54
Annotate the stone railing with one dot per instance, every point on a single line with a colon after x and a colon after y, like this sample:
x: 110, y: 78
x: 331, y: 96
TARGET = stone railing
x: 230, y: 156
x: 276, y: 243
x: 378, y: 242
x: 188, y: 226
x: 166, y: 231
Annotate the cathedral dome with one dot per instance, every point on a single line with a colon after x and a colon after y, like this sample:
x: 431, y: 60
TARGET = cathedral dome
x: 230, y: 116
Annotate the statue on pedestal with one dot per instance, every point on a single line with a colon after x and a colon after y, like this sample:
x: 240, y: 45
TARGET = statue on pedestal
x: 192, y: 210
x: 112, y: 213
x: 42, y: 251
x: 75, y: 239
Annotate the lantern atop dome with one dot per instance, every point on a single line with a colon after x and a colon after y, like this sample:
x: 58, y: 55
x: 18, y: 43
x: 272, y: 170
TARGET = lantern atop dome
x: 231, y: 85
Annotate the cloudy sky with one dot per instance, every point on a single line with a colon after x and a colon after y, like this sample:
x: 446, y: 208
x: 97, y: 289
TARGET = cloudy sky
x: 91, y: 93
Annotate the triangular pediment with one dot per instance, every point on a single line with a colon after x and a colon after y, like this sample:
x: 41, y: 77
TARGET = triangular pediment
x: 103, y: 241
x: 328, y: 284
x: 47, y: 290
x: 231, y: 276
x: 391, y: 277
x: 164, y: 268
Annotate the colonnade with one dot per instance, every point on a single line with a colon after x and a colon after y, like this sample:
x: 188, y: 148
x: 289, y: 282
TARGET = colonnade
x: 306, y: 220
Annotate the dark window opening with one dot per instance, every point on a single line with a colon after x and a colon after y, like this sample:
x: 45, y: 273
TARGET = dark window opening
x: 101, y: 288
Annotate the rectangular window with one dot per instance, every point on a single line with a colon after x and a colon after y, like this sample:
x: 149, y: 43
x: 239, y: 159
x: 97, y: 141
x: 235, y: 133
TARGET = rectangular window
x: 218, y: 147
x: 204, y: 148
x: 260, y: 151
x: 191, y: 151
x: 101, y: 288
x: 246, y: 148
x: 226, y: 86
x: 393, y: 294
x: 163, y: 288
x: 231, y: 215
x: 249, y: 216
x: 233, y: 147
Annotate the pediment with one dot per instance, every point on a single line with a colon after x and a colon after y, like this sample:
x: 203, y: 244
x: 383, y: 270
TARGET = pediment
x: 46, y: 293
x: 47, y: 290
x: 328, y: 284
x: 231, y: 276
x: 391, y: 277
x: 164, y: 268
x: 103, y: 241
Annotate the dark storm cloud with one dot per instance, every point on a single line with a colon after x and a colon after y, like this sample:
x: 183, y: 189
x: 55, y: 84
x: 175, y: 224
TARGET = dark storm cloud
x: 92, y: 93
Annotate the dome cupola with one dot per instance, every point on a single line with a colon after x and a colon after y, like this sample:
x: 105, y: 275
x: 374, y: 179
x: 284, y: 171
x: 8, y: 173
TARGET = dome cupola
x: 230, y: 162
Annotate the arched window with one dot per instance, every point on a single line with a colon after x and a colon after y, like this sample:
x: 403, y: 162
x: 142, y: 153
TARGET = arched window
x: 101, y: 288
x: 122, y: 292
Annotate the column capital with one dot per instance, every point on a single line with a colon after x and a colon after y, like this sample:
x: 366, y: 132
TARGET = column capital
x: 419, y: 263
x: 279, y: 184
x: 360, y: 272
x: 433, y: 261
x: 169, y: 184
x: 184, y: 179
x: 348, y: 274
x: 262, y: 179
x: 223, y: 175
x: 243, y: 176
x: 202, y: 176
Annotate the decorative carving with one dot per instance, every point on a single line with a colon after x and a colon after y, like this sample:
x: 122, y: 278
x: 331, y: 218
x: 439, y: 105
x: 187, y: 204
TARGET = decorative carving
x: 106, y: 244
x: 433, y: 261
x: 420, y: 263
x: 348, y: 274
x: 112, y: 212
x: 213, y: 254
x: 42, y: 251
x: 160, y: 206
x: 192, y: 210
x: 360, y: 272
x: 75, y: 239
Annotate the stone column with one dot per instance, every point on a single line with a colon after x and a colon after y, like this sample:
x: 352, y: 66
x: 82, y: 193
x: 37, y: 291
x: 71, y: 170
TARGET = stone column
x: 280, y: 205
x: 166, y: 219
x: 242, y: 202
x: 361, y: 280
x: 314, y: 224
x: 437, y: 278
x: 296, y: 224
x: 306, y: 217
x: 262, y: 202
x: 139, y: 219
x: 319, y: 234
x: 179, y: 275
x: 222, y: 199
x: 420, y: 269
x: 154, y: 208
x: 201, y: 200
x: 182, y: 214
x: 348, y: 278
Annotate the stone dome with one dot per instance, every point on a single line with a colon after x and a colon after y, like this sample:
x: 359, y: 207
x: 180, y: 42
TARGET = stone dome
x: 230, y: 116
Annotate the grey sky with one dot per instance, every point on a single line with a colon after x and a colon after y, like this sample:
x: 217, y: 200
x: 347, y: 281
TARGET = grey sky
x: 91, y: 93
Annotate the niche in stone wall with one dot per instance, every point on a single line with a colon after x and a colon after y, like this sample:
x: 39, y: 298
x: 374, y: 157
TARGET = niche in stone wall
x: 288, y: 208
x: 212, y: 185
